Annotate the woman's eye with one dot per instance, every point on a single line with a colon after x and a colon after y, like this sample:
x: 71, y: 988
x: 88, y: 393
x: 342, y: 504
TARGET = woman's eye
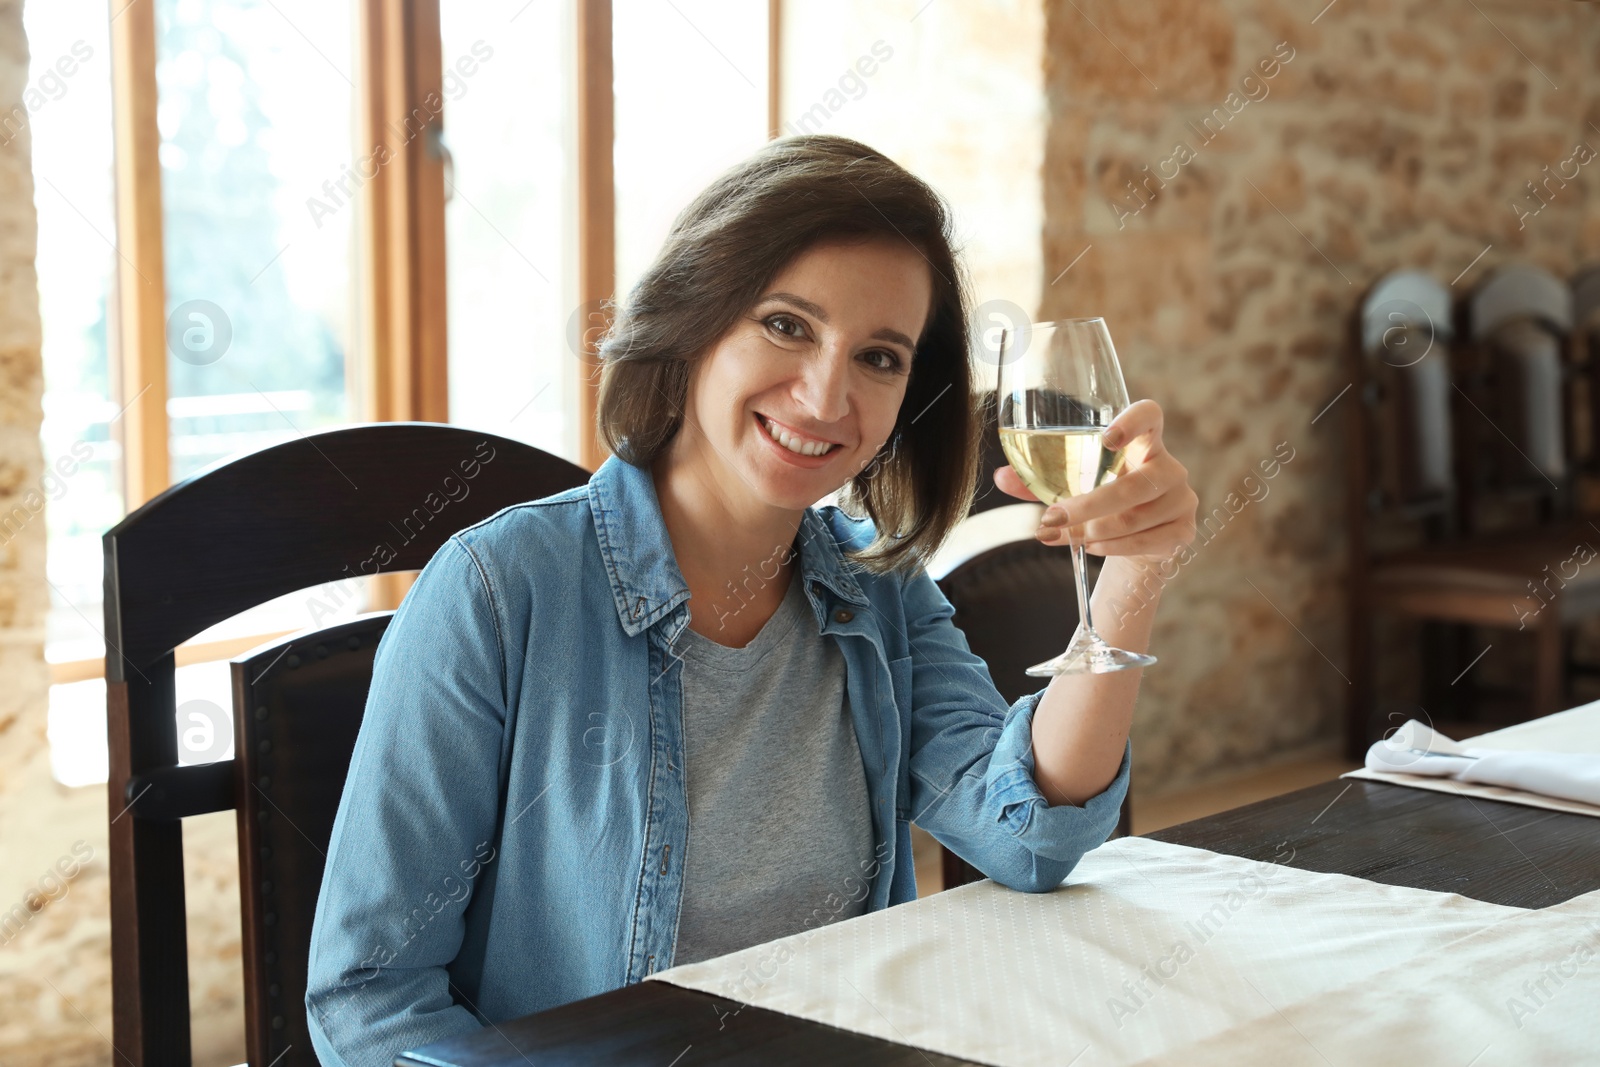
x: 783, y: 324
x: 890, y: 360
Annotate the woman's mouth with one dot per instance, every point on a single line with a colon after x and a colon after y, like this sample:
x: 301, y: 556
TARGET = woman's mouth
x: 792, y: 443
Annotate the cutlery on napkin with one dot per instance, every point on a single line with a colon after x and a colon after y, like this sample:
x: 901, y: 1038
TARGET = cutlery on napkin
x: 1417, y: 749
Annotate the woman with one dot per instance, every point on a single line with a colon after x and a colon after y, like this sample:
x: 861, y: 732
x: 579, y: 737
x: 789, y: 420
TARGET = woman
x: 680, y: 710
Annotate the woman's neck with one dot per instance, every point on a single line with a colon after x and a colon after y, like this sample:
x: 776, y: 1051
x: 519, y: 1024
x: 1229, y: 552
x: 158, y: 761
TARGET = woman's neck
x: 729, y: 546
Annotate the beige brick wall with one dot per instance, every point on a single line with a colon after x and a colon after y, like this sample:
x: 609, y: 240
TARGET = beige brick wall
x: 22, y: 585
x: 1398, y: 135
x: 34, y: 950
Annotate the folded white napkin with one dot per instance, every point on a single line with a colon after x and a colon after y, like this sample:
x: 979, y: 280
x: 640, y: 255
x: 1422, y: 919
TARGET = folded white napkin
x: 1418, y: 749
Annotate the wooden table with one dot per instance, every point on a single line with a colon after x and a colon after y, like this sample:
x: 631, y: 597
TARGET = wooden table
x: 1501, y: 853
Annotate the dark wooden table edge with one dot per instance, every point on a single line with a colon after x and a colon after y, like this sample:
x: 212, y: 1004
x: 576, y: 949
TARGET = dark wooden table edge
x: 1308, y: 824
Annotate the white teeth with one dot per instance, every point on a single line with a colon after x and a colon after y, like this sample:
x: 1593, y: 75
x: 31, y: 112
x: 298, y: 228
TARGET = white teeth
x: 791, y: 442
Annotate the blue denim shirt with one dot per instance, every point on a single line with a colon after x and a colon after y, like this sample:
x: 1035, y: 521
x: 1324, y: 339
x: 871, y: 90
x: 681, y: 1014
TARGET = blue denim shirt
x: 510, y: 831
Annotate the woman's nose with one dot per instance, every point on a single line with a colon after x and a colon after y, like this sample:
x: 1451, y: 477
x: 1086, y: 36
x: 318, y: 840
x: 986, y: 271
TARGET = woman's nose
x: 825, y: 386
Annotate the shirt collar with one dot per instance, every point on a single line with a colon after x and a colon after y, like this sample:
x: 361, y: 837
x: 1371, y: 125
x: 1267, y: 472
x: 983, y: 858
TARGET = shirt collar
x: 645, y: 580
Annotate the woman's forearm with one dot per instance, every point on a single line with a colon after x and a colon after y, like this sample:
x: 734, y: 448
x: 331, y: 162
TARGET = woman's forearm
x: 1080, y: 727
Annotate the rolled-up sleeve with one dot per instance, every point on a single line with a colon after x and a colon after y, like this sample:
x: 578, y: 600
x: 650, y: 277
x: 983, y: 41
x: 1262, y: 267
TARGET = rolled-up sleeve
x: 972, y: 764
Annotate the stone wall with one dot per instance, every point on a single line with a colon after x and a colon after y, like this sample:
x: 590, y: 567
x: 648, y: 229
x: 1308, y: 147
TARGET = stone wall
x: 22, y: 586
x: 1280, y: 160
x: 28, y: 800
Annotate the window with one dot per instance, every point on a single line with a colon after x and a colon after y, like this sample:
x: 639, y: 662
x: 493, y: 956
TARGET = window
x: 507, y: 226
x: 691, y: 101
x: 258, y: 179
x: 247, y: 267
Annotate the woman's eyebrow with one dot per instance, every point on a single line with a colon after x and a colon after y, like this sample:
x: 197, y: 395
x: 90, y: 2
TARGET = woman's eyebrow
x: 815, y: 309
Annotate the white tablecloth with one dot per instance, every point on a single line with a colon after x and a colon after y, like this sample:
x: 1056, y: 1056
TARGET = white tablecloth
x: 1523, y: 991
x: 1575, y: 730
x: 1149, y: 948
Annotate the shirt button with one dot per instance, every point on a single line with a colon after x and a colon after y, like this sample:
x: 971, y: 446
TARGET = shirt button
x: 843, y: 616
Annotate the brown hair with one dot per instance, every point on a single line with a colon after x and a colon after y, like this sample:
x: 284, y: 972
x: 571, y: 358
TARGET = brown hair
x: 726, y: 247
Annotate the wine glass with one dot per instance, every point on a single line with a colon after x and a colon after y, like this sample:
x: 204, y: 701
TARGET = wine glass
x: 1059, y: 387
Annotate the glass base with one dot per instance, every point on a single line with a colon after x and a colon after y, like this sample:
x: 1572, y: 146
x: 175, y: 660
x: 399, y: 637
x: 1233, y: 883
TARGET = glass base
x: 1090, y: 655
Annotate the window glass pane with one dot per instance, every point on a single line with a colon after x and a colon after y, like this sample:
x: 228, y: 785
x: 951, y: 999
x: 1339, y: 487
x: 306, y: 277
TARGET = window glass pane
x: 507, y: 74
x: 76, y: 730
x: 258, y: 171
x: 261, y: 185
x: 691, y: 88
x: 68, y: 115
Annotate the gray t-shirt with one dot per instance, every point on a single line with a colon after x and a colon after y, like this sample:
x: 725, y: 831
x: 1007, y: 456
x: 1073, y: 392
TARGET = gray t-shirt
x: 780, y: 827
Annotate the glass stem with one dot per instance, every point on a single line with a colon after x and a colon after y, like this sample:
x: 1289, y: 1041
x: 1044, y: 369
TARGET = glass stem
x: 1080, y: 566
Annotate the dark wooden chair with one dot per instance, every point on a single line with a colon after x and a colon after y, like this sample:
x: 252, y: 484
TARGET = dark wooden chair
x: 1523, y: 482
x: 1586, y: 358
x: 1434, y: 508
x: 1516, y: 471
x: 318, y: 509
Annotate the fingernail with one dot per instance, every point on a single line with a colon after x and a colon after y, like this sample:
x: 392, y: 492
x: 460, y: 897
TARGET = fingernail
x: 1055, y: 516
x: 1047, y: 533
x: 1111, y: 440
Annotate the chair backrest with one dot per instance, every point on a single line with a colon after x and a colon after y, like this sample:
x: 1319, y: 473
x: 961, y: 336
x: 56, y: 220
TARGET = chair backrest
x: 1586, y: 301
x: 320, y: 508
x: 297, y: 708
x: 1018, y: 606
x: 1402, y: 459
x: 1519, y: 319
x: 1586, y: 335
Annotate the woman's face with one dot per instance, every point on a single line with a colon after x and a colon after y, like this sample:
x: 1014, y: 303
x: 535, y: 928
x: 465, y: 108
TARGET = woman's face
x: 805, y: 387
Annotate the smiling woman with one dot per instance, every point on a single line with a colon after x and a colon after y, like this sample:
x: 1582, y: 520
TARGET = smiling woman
x: 707, y: 780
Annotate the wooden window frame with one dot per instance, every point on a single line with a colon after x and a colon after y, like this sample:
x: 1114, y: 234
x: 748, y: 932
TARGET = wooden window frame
x: 140, y: 363
x: 406, y: 345
x: 774, y: 69
x: 597, y: 204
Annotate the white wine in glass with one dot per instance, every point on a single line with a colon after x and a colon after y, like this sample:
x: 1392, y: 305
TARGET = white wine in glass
x: 1059, y: 388
x: 1057, y: 464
